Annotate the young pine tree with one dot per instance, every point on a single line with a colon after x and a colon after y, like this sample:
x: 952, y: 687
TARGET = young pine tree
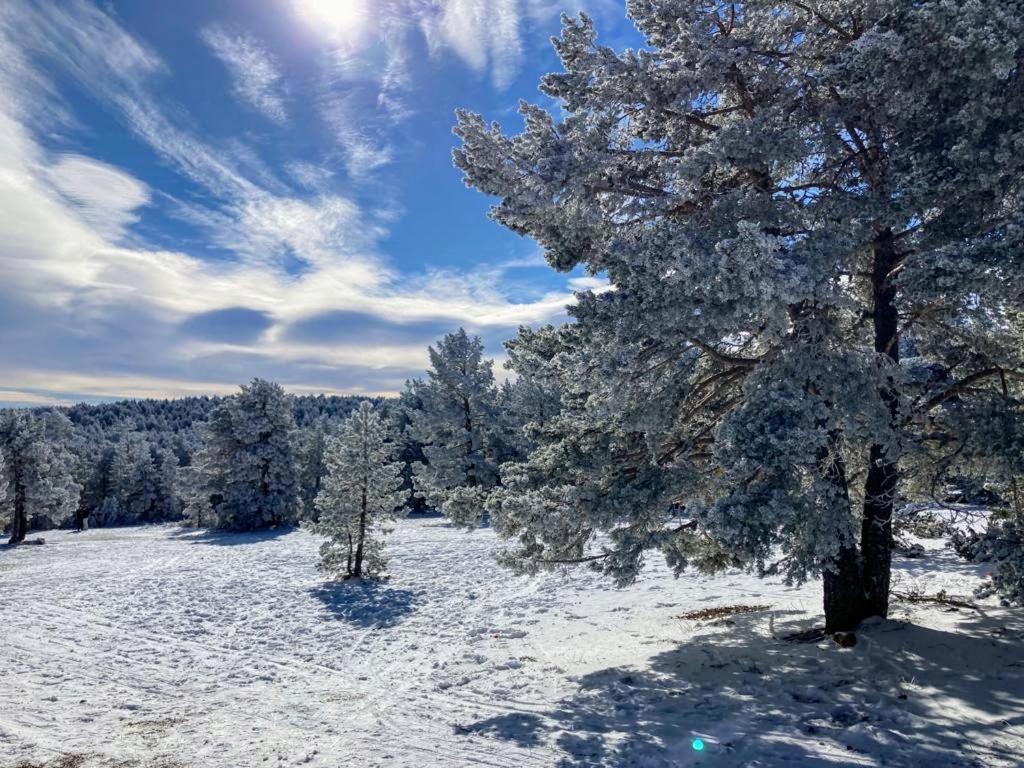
x: 458, y: 426
x: 779, y: 192
x: 39, y: 470
x: 359, y: 497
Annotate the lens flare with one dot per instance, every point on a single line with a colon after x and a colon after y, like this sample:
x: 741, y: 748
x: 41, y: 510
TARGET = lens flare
x: 698, y: 745
x: 336, y: 18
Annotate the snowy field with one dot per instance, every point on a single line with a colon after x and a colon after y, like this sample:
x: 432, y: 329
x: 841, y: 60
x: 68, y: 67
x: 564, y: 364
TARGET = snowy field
x: 157, y: 647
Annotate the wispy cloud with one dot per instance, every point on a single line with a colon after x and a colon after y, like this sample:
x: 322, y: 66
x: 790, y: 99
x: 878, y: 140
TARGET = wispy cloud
x: 485, y: 34
x: 117, y: 316
x: 104, y: 196
x: 254, y: 71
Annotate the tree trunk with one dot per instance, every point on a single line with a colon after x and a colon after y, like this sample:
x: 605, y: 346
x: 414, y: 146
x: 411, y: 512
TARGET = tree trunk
x: 883, y: 471
x: 358, y: 570
x: 843, y: 592
x: 19, y: 525
x: 467, y: 424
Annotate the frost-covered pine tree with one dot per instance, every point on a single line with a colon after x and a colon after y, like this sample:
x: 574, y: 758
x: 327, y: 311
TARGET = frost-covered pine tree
x: 360, y: 496
x: 245, y: 473
x: 780, y: 193
x: 133, y: 480
x: 528, y: 403
x: 458, y: 426
x: 309, y: 451
x: 4, y: 481
x: 39, y: 470
x: 167, y: 483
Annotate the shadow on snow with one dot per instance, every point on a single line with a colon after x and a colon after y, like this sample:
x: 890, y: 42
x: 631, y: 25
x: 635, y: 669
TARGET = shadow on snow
x: 756, y: 700
x: 232, y: 538
x: 366, y: 603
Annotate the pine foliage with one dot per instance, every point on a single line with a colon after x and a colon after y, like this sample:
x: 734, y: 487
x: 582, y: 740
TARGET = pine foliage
x: 782, y: 198
x: 39, y: 471
x: 245, y: 475
x: 361, y: 494
x: 459, y: 428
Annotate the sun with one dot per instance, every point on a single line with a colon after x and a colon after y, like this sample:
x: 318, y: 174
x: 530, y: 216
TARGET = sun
x: 335, y: 18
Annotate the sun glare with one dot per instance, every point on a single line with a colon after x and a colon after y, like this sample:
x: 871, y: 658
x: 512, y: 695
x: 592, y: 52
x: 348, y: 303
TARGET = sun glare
x: 337, y: 18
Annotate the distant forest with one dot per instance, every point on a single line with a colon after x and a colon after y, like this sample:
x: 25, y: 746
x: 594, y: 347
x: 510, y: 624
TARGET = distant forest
x: 131, y: 458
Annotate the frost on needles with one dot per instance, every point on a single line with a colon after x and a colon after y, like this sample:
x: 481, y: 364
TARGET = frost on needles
x: 361, y: 494
x: 37, y: 471
x: 456, y: 420
x: 812, y: 219
x: 244, y: 476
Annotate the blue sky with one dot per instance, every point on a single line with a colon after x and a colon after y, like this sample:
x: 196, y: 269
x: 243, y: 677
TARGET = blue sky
x: 199, y: 192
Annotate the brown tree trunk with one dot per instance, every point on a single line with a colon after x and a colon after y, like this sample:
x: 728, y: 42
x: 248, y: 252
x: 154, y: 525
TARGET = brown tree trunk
x: 358, y: 570
x: 19, y: 525
x: 843, y: 591
x: 883, y: 472
x: 467, y: 424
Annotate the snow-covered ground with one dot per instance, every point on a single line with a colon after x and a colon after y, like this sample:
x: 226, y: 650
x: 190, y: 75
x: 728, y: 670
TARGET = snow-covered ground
x: 155, y: 647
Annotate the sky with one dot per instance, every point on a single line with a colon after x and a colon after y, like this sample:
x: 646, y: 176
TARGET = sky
x: 193, y: 194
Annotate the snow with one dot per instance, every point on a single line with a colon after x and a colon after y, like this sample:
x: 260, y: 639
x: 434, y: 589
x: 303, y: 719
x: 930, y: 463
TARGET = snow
x: 160, y: 647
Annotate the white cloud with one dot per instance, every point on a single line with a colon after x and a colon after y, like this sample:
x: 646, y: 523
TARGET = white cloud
x: 311, y: 177
x: 485, y: 34
x: 82, y: 310
x: 257, y: 79
x: 30, y: 399
x: 595, y: 284
x: 103, y: 195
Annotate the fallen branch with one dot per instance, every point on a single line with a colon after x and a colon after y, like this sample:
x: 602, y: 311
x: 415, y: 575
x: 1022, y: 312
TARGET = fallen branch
x: 939, y: 598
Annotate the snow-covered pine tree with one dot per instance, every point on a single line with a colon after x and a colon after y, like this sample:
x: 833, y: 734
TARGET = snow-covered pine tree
x: 4, y: 481
x: 168, y: 485
x: 360, y: 496
x: 531, y: 400
x: 458, y: 426
x: 133, y: 480
x: 39, y: 470
x: 778, y: 191
x: 109, y: 512
x: 410, y: 449
x: 309, y: 449
x: 245, y: 473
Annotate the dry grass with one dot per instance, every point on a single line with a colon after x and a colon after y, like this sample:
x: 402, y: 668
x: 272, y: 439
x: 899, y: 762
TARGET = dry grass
x: 709, y: 614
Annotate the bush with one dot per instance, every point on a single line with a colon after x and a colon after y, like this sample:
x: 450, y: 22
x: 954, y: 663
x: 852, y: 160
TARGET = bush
x: 1003, y: 545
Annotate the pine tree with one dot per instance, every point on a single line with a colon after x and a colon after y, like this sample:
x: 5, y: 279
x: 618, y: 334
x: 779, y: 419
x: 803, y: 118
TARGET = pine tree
x: 528, y: 403
x: 410, y: 449
x: 778, y: 193
x: 167, y: 485
x: 312, y: 467
x: 39, y: 470
x: 458, y: 426
x: 245, y: 474
x: 4, y: 481
x: 133, y: 481
x: 361, y: 494
x: 109, y: 512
